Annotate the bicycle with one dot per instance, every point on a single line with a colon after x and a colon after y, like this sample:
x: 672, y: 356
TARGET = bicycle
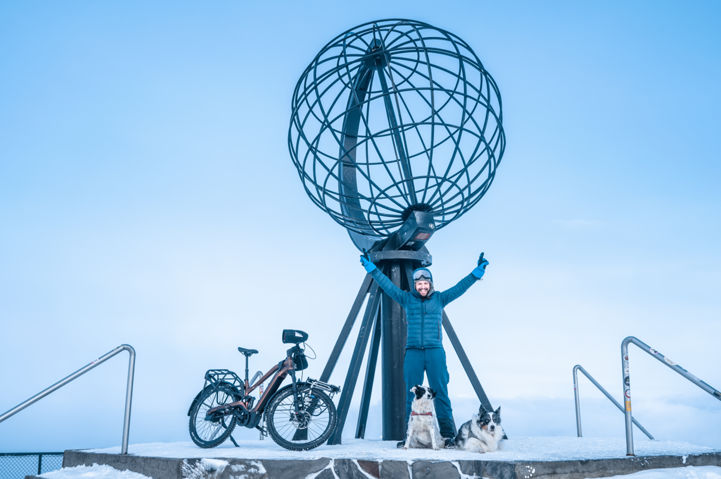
x: 299, y: 416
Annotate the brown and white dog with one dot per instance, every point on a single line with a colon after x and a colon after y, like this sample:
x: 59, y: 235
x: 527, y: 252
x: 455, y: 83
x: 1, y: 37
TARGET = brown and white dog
x: 482, y: 433
x: 423, y: 430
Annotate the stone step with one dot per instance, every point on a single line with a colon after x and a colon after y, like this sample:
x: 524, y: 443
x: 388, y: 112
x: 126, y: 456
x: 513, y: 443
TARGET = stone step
x: 350, y: 468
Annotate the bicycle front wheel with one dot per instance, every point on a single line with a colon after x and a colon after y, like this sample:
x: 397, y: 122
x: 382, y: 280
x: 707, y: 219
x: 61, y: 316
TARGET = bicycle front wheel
x: 306, y: 427
x: 212, y: 431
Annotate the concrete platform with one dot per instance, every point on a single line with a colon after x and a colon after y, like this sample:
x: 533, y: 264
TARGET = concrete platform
x: 523, y: 458
x: 195, y: 468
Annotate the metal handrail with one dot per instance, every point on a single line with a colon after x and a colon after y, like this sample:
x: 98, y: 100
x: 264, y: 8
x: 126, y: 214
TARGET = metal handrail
x: 577, y: 368
x: 627, y: 382
x: 80, y: 372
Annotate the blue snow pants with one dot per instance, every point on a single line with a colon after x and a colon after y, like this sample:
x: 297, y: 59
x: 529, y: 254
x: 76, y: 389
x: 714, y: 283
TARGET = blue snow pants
x: 433, y: 363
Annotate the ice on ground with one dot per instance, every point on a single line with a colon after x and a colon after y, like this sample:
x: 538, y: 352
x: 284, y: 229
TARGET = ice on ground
x: 93, y: 472
x: 688, y: 472
x: 516, y: 449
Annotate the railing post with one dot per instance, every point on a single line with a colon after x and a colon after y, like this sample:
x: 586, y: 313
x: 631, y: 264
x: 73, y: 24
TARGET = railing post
x: 627, y: 395
x: 577, y: 400
x: 128, y: 396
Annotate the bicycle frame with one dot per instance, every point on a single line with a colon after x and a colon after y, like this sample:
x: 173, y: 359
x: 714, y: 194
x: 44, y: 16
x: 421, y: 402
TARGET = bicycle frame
x: 279, y: 372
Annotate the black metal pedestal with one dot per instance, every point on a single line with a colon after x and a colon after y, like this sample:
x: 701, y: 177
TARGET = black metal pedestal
x: 384, y: 320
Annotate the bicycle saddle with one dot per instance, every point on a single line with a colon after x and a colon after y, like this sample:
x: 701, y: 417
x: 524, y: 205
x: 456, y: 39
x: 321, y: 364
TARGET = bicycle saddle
x: 247, y: 352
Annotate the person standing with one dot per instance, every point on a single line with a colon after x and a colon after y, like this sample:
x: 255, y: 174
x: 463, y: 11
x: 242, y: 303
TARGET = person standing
x: 424, y: 347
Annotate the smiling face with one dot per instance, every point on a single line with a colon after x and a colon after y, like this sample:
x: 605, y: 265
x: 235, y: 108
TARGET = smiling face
x: 423, y: 287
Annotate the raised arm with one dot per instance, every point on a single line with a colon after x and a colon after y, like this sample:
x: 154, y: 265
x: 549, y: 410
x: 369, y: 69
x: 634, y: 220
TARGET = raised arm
x: 462, y: 286
x: 384, y: 282
x: 389, y: 288
x: 455, y: 292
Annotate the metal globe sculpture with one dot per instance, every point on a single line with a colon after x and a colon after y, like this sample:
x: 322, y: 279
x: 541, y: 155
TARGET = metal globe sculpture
x: 396, y: 130
x: 392, y: 117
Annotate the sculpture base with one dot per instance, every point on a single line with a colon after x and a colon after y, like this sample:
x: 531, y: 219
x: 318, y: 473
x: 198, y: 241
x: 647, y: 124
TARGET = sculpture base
x: 522, y: 458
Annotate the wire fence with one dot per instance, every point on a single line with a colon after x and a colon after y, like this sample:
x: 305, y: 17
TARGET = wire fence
x: 17, y: 465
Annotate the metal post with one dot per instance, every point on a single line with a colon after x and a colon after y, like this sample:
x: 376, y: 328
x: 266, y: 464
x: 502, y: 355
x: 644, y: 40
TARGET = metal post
x: 627, y: 397
x: 576, y: 394
x: 128, y: 399
x: 393, y: 339
x: 80, y: 372
x: 579, y: 433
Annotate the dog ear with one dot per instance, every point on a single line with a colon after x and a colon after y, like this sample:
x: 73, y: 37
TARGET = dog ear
x: 413, y: 389
x: 481, y: 410
x: 497, y: 411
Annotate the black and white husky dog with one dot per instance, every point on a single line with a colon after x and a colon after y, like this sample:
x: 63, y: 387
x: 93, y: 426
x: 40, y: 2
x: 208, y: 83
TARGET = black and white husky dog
x: 482, y: 433
x: 423, y: 430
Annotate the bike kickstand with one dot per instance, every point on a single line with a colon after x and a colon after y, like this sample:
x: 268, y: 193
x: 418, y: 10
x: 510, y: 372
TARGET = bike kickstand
x: 233, y: 440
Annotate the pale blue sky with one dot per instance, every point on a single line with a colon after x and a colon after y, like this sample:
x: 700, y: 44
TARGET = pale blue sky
x: 147, y: 197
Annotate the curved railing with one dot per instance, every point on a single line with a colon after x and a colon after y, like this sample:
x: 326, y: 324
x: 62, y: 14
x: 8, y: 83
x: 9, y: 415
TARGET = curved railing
x: 80, y: 372
x: 627, y: 382
x: 577, y: 399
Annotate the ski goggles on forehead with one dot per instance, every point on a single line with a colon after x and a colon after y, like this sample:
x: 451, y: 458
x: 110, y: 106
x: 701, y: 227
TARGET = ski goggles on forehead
x: 421, y: 276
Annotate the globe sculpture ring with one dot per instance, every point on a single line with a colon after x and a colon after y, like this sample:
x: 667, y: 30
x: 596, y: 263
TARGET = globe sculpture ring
x: 392, y: 117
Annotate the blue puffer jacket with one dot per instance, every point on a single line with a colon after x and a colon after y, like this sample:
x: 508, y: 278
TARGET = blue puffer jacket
x: 424, y: 316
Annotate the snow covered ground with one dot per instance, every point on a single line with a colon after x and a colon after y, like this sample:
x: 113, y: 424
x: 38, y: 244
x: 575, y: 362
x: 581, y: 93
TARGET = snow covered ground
x: 515, y: 449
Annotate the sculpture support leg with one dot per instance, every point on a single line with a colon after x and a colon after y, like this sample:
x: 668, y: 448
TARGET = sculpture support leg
x: 355, y: 363
x: 345, y: 332
x: 370, y: 375
x: 451, y: 333
x: 394, y: 345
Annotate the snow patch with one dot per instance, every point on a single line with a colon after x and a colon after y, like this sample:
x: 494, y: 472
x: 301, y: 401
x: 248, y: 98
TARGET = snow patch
x: 461, y: 474
x: 329, y: 467
x: 95, y: 472
x: 205, y: 468
x: 355, y: 461
x: 528, y: 472
x: 253, y: 467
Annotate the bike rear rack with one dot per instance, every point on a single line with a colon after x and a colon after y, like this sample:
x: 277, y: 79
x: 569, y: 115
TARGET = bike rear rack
x: 218, y: 376
x: 80, y: 372
x: 577, y: 399
x: 627, y: 382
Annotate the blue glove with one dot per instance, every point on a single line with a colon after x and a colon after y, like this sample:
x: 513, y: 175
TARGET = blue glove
x: 480, y: 270
x: 367, y: 263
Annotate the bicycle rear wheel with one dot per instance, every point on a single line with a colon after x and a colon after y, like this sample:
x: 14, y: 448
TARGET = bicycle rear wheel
x: 212, y: 431
x: 305, y: 429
